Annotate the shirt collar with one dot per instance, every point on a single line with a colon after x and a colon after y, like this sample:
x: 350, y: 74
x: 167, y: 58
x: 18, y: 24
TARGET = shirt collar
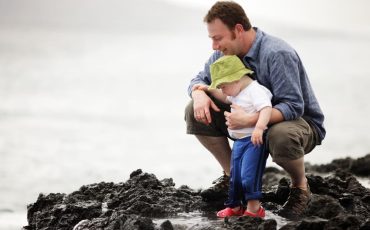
x: 253, y: 51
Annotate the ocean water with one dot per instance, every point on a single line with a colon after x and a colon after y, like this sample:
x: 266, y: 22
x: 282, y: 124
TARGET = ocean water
x: 80, y: 106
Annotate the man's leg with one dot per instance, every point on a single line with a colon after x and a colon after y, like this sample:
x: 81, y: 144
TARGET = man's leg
x: 288, y: 142
x: 296, y: 170
x: 220, y: 149
x: 214, y: 138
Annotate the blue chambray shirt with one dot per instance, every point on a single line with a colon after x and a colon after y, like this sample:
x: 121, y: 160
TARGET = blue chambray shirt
x: 278, y: 67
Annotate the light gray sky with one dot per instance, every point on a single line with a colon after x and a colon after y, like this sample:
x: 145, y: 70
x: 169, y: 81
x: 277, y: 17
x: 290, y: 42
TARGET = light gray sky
x: 335, y: 14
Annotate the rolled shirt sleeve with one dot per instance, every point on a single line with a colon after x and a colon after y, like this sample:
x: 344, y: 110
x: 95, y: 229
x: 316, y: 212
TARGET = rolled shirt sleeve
x: 285, y: 87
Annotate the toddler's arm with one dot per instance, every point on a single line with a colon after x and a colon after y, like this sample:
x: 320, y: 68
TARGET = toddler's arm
x: 261, y: 125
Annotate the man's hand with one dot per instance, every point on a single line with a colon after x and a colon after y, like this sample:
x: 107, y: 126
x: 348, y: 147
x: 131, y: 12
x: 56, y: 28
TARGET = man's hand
x: 239, y: 119
x: 202, y: 105
x: 199, y: 87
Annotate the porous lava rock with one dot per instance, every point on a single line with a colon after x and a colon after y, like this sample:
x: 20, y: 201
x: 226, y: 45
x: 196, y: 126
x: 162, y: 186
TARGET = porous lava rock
x: 339, y: 201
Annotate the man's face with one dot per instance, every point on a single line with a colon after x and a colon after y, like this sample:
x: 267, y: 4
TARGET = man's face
x: 223, y: 39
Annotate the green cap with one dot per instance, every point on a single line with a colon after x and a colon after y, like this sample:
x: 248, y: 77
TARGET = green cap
x: 227, y: 69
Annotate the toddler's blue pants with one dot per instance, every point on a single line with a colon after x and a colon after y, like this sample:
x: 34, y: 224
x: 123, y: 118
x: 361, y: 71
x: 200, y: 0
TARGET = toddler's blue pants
x: 248, y: 163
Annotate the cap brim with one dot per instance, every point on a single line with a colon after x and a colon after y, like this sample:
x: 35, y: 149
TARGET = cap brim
x: 233, y: 77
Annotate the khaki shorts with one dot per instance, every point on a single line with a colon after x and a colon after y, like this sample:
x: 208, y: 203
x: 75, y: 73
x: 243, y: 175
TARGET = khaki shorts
x: 290, y: 140
x: 217, y: 128
x: 287, y: 140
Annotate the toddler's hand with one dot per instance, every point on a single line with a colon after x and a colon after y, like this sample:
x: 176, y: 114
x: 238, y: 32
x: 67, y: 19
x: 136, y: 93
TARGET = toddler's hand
x: 257, y: 136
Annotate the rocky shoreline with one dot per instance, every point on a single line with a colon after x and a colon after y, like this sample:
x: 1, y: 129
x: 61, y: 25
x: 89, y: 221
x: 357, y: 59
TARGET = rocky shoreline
x: 144, y: 202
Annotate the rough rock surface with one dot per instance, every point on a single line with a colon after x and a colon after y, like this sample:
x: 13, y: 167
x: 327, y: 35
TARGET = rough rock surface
x: 339, y: 201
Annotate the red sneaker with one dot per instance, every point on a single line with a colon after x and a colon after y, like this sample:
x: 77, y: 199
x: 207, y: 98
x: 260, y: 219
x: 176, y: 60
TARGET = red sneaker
x: 260, y: 213
x: 229, y: 212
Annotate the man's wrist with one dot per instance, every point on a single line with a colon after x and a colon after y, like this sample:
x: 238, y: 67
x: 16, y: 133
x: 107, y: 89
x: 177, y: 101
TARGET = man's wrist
x: 196, y: 92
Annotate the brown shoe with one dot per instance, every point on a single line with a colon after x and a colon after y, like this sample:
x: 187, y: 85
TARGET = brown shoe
x: 218, y: 190
x: 296, y: 204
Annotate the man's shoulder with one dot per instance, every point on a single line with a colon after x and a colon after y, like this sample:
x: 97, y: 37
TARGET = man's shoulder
x: 274, y: 45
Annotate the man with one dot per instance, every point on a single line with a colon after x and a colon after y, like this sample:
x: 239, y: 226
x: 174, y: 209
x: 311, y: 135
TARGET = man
x: 296, y: 124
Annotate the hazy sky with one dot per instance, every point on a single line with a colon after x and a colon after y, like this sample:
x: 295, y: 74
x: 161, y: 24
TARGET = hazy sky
x: 337, y: 14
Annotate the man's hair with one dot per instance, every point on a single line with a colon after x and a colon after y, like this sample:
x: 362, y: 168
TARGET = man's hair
x: 230, y: 13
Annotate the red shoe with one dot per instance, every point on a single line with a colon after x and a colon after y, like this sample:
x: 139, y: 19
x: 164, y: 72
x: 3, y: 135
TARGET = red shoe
x: 229, y: 212
x: 260, y: 213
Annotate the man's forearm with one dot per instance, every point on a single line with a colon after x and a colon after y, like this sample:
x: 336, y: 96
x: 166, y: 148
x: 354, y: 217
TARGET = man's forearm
x: 276, y: 116
x: 196, y: 93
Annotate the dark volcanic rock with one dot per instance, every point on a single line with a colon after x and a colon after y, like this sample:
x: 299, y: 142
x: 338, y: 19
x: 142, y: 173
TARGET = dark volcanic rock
x: 246, y: 222
x: 130, y: 205
x: 324, y: 206
x: 243, y: 222
x: 359, y: 167
x: 167, y: 225
x: 339, y: 201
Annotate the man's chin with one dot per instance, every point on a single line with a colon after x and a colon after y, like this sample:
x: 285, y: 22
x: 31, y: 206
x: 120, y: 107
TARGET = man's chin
x: 226, y: 52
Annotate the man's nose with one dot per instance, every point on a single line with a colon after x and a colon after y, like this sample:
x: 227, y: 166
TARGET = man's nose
x: 215, y: 46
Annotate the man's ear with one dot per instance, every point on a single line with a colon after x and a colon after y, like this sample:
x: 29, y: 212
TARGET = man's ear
x: 238, y: 28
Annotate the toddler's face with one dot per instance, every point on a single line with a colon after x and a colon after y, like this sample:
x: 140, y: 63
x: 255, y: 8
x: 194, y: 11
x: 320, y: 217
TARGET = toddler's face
x: 230, y: 88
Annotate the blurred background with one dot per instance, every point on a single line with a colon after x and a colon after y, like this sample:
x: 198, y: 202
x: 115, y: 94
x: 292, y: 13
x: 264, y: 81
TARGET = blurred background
x: 91, y: 90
